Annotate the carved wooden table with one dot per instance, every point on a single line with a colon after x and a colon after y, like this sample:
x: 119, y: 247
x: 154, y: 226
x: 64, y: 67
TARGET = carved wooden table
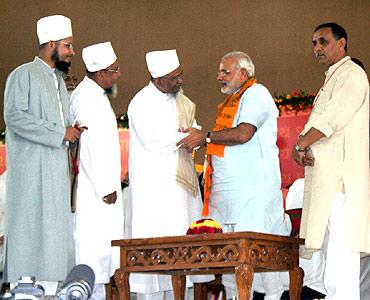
x: 241, y: 252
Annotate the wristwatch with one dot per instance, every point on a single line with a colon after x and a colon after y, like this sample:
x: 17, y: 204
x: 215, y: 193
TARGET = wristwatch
x: 298, y: 148
x: 208, y: 138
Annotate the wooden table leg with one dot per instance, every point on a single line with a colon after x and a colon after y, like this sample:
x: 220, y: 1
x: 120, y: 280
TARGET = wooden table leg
x: 199, y: 291
x: 296, y: 282
x: 122, y: 282
x: 178, y: 284
x: 244, y: 280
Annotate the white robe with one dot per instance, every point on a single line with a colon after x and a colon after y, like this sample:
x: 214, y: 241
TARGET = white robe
x: 158, y: 205
x: 97, y: 223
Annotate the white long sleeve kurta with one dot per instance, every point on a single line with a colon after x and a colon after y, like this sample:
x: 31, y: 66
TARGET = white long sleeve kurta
x: 341, y: 157
x: 97, y: 223
x: 158, y: 205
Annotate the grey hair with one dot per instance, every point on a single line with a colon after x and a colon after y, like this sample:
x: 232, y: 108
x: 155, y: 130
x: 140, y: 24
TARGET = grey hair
x: 243, y: 61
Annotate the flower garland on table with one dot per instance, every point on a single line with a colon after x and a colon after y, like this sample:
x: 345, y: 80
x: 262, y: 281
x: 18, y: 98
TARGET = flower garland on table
x: 204, y: 226
x: 296, y: 101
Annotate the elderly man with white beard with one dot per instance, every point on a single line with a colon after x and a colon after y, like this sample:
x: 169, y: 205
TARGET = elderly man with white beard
x: 164, y: 197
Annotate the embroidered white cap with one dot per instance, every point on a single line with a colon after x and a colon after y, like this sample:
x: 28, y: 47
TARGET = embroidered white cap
x: 53, y: 28
x: 99, y: 56
x: 161, y: 63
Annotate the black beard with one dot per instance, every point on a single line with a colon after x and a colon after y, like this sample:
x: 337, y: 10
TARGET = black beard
x: 60, y: 64
x: 109, y: 91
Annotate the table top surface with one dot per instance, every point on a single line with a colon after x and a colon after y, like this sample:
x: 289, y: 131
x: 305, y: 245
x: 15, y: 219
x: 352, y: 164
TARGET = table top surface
x: 210, y: 237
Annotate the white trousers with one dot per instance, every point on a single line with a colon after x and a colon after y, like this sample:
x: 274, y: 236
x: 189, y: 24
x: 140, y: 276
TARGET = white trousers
x: 272, y: 285
x: 342, y: 269
x: 98, y: 292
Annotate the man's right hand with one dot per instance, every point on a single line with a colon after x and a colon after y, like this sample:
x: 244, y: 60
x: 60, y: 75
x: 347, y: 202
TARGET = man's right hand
x: 72, y: 134
x: 195, y: 139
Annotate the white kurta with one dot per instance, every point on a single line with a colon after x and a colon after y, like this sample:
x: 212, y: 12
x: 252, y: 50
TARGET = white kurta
x: 158, y: 205
x: 97, y: 223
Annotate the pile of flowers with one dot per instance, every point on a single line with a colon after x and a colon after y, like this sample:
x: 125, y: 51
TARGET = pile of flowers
x: 204, y: 226
x: 296, y: 101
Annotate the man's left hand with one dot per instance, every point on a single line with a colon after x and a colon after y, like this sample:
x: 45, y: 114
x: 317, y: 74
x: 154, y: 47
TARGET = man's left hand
x: 303, y: 158
x: 195, y: 139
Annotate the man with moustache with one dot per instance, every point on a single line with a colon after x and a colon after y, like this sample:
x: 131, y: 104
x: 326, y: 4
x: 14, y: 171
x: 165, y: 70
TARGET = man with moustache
x: 242, y: 177
x: 164, y: 196
x: 99, y: 211
x: 334, y: 148
x: 36, y: 111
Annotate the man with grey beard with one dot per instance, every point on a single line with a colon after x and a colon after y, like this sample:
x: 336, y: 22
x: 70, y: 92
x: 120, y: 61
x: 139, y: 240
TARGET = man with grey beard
x: 242, y: 179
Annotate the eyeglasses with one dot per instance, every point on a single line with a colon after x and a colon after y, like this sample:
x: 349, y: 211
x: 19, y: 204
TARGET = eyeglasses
x: 115, y: 70
x: 69, y: 46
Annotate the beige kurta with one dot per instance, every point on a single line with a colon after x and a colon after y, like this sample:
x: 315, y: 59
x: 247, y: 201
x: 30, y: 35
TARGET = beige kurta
x: 341, y: 158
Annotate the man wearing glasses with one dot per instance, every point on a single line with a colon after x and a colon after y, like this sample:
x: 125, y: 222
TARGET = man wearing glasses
x: 164, y: 196
x: 99, y: 211
x: 36, y: 112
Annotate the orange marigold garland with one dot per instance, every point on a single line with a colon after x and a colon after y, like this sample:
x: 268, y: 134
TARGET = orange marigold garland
x: 204, y: 226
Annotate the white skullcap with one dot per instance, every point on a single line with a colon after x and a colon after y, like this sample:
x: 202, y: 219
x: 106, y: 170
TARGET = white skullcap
x: 161, y: 63
x: 99, y: 56
x: 53, y: 28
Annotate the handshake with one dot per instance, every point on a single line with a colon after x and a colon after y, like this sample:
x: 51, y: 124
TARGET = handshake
x: 195, y: 139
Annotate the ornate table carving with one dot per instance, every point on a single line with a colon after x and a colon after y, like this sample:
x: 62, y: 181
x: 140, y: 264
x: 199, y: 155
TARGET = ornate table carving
x: 242, y: 253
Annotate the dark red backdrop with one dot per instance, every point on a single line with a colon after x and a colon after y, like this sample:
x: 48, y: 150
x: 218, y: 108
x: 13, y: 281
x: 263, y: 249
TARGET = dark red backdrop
x: 290, y: 124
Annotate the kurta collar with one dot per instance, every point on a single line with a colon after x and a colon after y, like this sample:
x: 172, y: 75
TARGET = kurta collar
x: 159, y: 94
x: 43, y: 65
x: 332, y: 68
x: 94, y: 85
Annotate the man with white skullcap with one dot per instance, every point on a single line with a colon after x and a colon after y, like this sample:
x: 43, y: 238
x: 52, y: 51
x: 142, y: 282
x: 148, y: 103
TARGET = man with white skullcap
x: 99, y: 211
x: 36, y: 112
x: 164, y: 196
